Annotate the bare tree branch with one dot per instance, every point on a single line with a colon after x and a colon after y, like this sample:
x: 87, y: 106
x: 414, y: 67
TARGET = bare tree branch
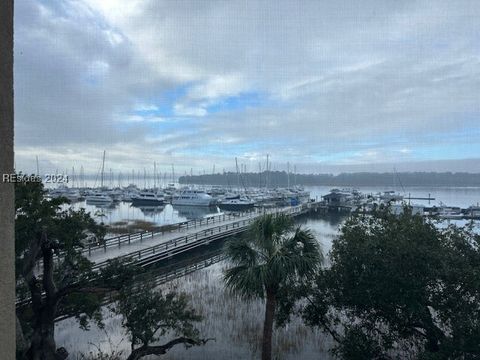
x: 162, y: 349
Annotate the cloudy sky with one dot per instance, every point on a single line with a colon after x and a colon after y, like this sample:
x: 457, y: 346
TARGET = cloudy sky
x: 326, y: 85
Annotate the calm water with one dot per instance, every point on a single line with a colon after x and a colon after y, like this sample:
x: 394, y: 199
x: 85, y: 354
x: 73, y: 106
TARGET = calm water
x: 236, y: 325
x: 168, y: 214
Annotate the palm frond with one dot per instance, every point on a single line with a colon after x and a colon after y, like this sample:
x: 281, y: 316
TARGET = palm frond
x: 248, y: 282
x: 241, y: 252
x: 273, y: 254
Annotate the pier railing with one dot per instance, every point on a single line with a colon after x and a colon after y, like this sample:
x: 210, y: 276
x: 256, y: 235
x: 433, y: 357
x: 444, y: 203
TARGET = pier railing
x: 118, y: 241
x: 184, y: 243
x: 127, y: 239
x: 187, y: 242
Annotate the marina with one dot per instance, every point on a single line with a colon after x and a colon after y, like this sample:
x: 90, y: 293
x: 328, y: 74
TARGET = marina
x: 212, y: 199
x: 200, y: 271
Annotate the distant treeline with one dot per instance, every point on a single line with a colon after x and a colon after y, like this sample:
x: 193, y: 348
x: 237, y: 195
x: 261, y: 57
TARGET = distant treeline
x: 281, y: 179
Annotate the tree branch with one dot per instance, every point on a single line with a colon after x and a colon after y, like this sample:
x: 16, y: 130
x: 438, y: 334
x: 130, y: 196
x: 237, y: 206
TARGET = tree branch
x: 76, y: 288
x: 332, y: 332
x: 162, y: 349
x: 30, y: 259
x: 48, y: 282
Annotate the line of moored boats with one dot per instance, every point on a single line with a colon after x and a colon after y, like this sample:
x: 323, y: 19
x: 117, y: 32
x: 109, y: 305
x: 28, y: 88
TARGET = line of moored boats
x: 223, y: 197
x: 352, y: 199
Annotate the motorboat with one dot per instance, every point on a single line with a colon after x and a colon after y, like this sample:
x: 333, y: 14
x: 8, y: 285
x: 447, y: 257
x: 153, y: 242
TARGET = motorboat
x: 98, y: 198
x: 449, y: 212
x: 69, y: 193
x: 146, y: 198
x: 236, y: 203
x: 192, y: 197
x: 390, y: 196
x: 472, y: 212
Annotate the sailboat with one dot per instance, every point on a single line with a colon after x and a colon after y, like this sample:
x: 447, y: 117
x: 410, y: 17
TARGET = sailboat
x: 99, y: 197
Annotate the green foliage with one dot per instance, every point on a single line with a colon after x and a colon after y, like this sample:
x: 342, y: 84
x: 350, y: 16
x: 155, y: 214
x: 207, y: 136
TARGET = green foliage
x: 49, y: 236
x: 148, y: 314
x: 398, y: 285
x: 272, y: 255
x: 356, y: 345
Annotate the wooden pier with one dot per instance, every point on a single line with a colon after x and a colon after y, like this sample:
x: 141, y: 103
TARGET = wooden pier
x: 145, y: 248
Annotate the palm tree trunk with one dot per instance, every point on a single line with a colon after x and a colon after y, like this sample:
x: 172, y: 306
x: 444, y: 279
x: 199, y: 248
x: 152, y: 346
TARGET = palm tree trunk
x: 268, y: 326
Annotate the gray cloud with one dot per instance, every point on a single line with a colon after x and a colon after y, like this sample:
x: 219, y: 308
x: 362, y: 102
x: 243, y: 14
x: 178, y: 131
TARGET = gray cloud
x: 340, y: 82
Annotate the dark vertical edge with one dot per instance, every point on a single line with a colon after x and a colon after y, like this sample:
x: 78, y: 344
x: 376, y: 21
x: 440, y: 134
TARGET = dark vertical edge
x: 7, y: 254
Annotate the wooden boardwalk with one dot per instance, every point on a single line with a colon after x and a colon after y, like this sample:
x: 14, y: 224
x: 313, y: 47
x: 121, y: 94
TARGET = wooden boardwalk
x: 148, y: 247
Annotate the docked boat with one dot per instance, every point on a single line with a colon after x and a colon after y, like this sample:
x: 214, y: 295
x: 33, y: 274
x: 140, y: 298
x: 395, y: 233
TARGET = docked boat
x: 390, y: 196
x: 69, y: 193
x: 147, y: 198
x: 473, y: 212
x: 98, y: 198
x: 449, y: 212
x: 236, y: 203
x: 192, y: 197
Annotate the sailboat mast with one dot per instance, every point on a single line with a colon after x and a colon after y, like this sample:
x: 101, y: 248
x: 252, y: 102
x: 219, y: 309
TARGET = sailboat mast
x: 103, y: 169
x: 288, y: 175
x: 82, y: 177
x: 238, y: 176
x: 154, y: 175
x: 266, y: 175
x: 144, y: 178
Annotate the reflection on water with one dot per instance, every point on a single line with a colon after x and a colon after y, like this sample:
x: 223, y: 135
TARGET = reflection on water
x: 159, y: 215
x: 121, y: 211
x: 235, y: 324
x: 195, y: 212
x: 150, y: 210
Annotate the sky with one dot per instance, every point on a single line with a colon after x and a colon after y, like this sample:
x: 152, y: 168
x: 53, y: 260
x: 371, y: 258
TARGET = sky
x: 325, y: 86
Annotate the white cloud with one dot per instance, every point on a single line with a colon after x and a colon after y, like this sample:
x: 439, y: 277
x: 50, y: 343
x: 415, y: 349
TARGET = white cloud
x: 335, y: 76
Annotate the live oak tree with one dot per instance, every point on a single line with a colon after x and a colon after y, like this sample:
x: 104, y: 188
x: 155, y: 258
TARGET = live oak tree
x: 49, y: 264
x: 397, y: 286
x: 271, y: 258
x: 149, y: 315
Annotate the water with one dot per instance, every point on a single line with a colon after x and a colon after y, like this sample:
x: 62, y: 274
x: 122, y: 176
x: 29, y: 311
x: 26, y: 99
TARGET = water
x: 236, y: 325
x: 159, y: 215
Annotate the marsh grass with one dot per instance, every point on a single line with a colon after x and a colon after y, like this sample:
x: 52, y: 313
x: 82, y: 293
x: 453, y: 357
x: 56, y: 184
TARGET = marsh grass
x: 235, y: 324
x: 132, y: 226
x: 238, y: 324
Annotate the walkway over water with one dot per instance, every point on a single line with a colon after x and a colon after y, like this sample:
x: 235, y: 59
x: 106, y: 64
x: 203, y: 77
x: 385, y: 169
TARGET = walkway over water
x: 147, y: 247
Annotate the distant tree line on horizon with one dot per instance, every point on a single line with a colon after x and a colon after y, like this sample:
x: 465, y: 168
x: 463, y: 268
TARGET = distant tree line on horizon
x: 282, y: 178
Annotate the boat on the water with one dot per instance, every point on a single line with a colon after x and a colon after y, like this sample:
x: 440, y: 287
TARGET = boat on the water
x: 69, y: 193
x: 98, y: 198
x: 448, y: 212
x: 192, y: 197
x: 472, y: 212
x: 147, y: 198
x: 390, y: 196
x: 236, y: 203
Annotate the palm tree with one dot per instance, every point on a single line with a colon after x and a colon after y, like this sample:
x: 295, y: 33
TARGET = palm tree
x: 274, y: 253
